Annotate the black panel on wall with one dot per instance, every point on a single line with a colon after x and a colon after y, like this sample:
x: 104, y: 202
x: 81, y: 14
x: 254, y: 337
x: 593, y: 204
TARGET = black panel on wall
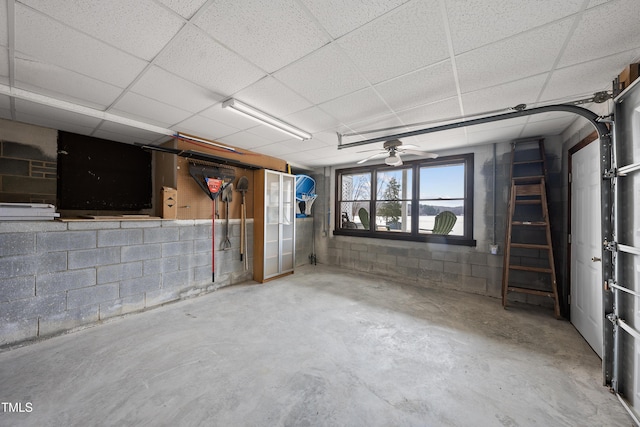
x: 97, y: 174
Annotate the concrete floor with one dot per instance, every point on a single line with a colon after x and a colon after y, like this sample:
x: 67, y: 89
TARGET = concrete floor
x: 323, y: 347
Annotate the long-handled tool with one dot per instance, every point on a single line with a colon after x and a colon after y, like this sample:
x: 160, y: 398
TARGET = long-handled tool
x: 213, y: 185
x: 210, y: 178
x: 227, y: 193
x: 242, y: 187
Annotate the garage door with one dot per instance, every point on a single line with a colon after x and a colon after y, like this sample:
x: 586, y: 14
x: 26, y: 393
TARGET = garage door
x: 622, y: 248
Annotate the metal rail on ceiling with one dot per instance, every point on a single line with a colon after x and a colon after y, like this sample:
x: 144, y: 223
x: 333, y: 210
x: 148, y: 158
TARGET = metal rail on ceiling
x: 592, y: 117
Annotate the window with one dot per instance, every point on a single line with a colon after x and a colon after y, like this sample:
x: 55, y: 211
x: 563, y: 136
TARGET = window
x: 423, y: 200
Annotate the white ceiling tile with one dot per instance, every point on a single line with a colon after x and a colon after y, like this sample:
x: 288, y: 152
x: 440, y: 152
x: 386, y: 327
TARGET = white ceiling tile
x: 506, y: 130
x: 166, y: 87
x: 51, y: 80
x: 141, y: 28
x: 276, y: 149
x: 228, y: 117
x: 313, y: 144
x: 325, y: 156
x: 205, y: 127
x: 51, y: 123
x: 46, y: 40
x: 357, y: 106
x: 270, y: 34
x: 313, y: 120
x: 425, y: 86
x: 551, y: 115
x: 552, y: 124
x: 409, y: 38
x: 339, y: 17
x: 186, y: 8
x: 148, y: 110
x: 594, y: 3
x: 272, y: 97
x: 323, y: 75
x: 371, y: 124
x: 284, y: 148
x: 320, y: 139
x: 547, y: 128
x: 123, y: 133
x: 475, y: 23
x: 439, y: 141
x: 509, y: 53
x: 4, y: 35
x: 585, y: 79
x: 196, y: 57
x: 431, y: 114
x: 269, y: 133
x: 503, y: 61
x: 503, y: 97
x: 603, y: 31
x: 42, y: 115
x: 245, y: 140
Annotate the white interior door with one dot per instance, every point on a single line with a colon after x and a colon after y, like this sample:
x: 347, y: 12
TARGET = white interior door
x: 586, y: 246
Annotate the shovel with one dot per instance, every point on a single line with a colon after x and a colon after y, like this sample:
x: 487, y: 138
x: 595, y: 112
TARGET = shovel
x: 243, y: 186
x: 227, y: 193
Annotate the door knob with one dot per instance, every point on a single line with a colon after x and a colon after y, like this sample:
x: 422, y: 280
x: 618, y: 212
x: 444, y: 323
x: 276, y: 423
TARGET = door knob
x: 595, y: 259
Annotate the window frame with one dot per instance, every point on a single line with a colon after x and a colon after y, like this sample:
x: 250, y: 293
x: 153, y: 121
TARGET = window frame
x: 414, y: 235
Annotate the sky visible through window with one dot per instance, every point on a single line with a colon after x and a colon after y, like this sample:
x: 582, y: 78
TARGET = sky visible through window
x: 442, y: 182
x: 436, y: 182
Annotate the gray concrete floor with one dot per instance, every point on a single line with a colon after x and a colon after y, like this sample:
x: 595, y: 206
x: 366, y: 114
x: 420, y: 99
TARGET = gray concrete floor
x: 322, y: 347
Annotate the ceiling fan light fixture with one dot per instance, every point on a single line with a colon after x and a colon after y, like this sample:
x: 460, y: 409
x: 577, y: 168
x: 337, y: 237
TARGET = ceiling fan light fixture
x: 393, y: 159
x: 264, y: 118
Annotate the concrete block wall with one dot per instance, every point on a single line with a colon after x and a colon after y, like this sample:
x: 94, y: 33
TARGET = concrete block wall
x: 468, y: 269
x: 57, y: 276
x: 304, y: 240
x: 421, y: 264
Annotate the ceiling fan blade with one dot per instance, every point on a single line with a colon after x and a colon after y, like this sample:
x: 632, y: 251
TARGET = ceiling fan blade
x: 373, y: 156
x: 409, y: 146
x: 369, y: 151
x: 421, y: 153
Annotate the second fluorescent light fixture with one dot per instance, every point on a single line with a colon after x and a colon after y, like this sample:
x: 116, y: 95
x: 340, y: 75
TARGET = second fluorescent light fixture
x: 265, y: 119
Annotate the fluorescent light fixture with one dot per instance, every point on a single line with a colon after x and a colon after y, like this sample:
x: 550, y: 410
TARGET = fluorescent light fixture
x: 265, y: 119
x: 186, y: 137
x: 81, y: 109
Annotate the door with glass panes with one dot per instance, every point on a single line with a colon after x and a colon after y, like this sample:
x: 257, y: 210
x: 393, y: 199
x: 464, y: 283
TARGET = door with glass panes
x: 279, y: 224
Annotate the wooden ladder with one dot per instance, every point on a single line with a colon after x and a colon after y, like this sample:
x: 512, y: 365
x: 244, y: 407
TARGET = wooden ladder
x: 528, y: 226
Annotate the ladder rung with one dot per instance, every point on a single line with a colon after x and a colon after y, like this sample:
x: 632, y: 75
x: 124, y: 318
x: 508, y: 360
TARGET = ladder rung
x: 529, y: 246
x: 531, y: 291
x: 528, y: 201
x: 528, y: 190
x: 522, y: 178
x: 525, y: 268
x: 530, y: 223
x: 524, y: 162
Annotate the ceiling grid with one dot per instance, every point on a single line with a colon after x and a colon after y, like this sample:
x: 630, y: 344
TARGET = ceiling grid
x: 325, y: 67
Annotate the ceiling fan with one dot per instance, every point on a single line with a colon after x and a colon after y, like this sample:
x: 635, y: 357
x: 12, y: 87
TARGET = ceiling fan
x: 392, y: 149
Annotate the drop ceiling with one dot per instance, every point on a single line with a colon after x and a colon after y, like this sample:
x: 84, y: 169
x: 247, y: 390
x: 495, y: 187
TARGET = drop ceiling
x: 327, y: 67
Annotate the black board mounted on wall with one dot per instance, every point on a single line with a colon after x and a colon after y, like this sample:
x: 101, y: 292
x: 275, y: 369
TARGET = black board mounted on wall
x: 97, y: 174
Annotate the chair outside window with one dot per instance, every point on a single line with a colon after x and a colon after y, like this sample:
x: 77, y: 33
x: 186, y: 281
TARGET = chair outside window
x: 444, y: 223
